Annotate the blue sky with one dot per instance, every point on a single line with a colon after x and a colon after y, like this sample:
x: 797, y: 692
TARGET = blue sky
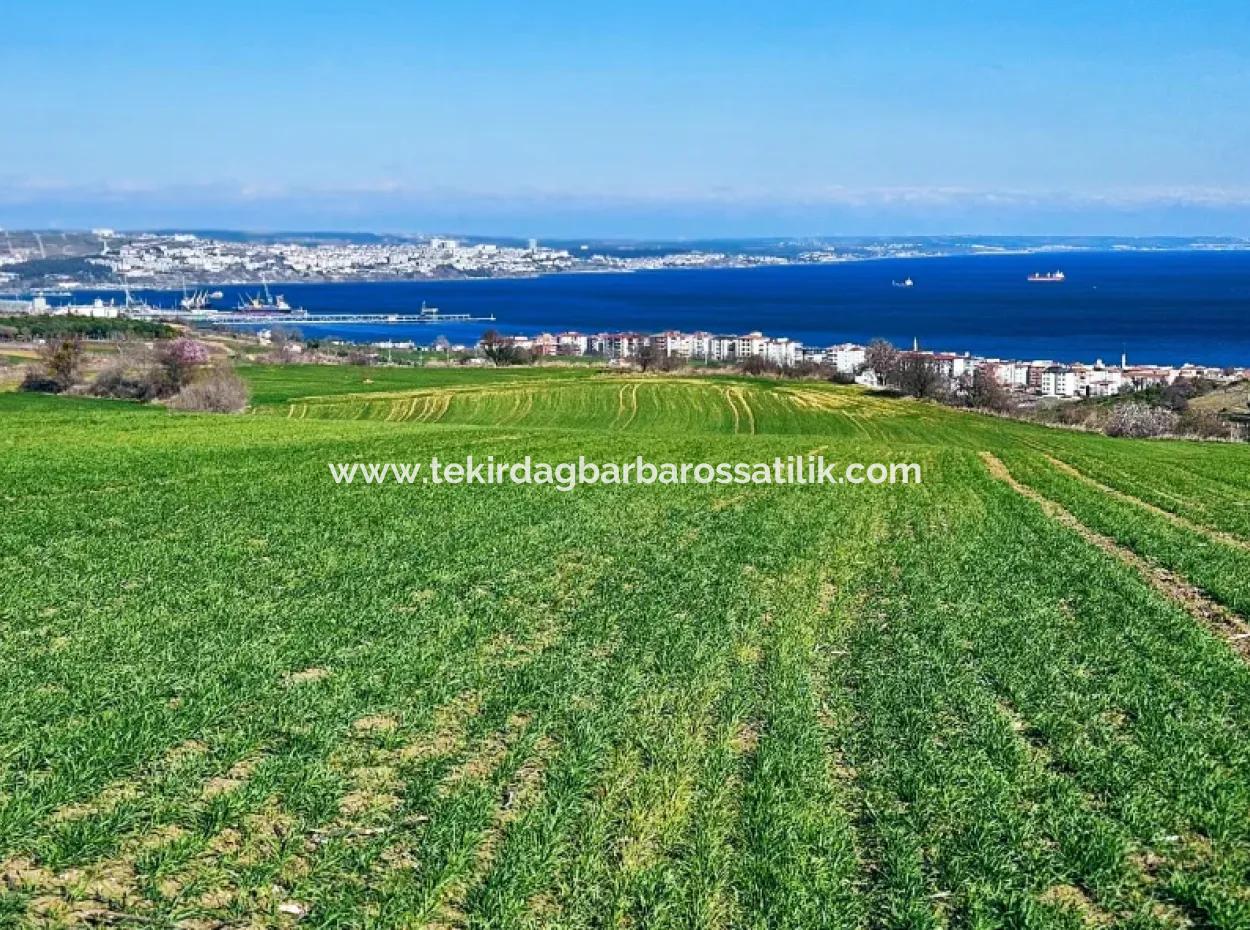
x: 630, y: 119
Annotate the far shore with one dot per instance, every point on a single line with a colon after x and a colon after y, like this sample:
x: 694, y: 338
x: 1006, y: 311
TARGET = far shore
x: 163, y: 288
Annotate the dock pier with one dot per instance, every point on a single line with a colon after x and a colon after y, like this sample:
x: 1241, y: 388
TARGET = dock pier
x: 294, y: 319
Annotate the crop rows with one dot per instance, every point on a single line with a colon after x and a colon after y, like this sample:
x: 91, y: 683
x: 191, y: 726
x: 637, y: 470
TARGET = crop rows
x: 236, y: 694
x: 706, y: 405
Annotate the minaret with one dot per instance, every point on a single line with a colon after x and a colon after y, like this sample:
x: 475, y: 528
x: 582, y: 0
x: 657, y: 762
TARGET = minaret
x: 1123, y: 360
x: 915, y: 344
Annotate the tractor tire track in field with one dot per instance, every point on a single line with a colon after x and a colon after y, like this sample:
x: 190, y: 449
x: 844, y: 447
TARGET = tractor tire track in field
x: 527, y: 407
x: 1175, y: 519
x: 395, y: 830
x: 407, y: 787
x: 375, y: 761
x: 113, y: 890
x: 490, y: 787
x: 521, y: 794
x: 1138, y: 894
x: 911, y: 876
x: 439, y: 408
x: 746, y: 409
x: 662, y: 810
x: 629, y: 407
x: 727, y: 393
x: 620, y: 406
x: 1045, y: 449
x: 1213, y: 615
x: 115, y: 886
x: 700, y: 789
x: 810, y: 845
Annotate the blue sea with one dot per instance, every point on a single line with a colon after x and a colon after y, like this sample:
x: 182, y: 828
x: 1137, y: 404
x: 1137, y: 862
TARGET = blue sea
x: 1166, y: 307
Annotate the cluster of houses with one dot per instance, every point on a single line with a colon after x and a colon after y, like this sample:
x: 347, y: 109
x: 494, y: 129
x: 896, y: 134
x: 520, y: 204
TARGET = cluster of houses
x: 1041, y: 377
x: 1051, y: 379
x: 699, y: 346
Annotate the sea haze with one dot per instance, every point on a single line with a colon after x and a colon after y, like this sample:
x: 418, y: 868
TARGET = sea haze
x: 1168, y: 307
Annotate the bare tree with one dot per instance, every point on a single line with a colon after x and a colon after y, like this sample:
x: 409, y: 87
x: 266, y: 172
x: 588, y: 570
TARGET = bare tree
x: 883, y: 359
x: 649, y: 356
x: 985, y: 393
x: 62, y: 355
x: 919, y: 376
x: 500, y: 350
x: 758, y: 365
x: 60, y: 364
x: 283, y: 345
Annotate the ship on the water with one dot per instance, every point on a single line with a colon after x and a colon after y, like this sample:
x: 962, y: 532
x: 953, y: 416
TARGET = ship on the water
x: 1048, y: 277
x: 906, y: 282
x: 196, y: 300
x: 266, y: 302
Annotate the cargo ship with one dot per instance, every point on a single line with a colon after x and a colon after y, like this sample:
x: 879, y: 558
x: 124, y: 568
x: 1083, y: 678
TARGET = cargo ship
x: 195, y: 300
x: 1048, y: 277
x: 267, y: 303
x: 906, y: 282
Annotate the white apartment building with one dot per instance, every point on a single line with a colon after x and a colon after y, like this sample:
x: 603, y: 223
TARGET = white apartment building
x: 1058, y: 381
x: 846, y: 358
x: 783, y: 351
x: 616, y: 345
x: 1097, y: 380
x: 723, y: 348
x: 545, y: 344
x: 753, y: 343
x: 672, y: 344
x: 1013, y: 374
x: 572, y: 343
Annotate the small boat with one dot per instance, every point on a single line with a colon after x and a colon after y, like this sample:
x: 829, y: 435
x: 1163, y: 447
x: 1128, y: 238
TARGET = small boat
x: 1048, y: 277
x: 906, y: 282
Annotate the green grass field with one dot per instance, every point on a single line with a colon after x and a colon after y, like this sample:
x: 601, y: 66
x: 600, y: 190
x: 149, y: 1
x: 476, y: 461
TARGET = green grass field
x: 236, y: 694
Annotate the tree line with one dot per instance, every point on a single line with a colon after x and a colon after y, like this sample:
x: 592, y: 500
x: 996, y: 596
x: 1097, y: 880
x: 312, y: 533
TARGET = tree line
x: 44, y: 326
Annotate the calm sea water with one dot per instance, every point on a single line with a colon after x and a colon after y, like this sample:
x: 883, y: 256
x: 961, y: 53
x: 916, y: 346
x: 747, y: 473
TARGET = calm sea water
x: 1156, y: 307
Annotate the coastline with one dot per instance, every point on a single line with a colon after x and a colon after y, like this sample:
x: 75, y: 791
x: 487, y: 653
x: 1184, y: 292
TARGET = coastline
x: 1184, y: 305
x: 725, y: 266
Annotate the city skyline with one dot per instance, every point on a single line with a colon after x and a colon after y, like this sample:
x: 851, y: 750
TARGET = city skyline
x: 644, y: 121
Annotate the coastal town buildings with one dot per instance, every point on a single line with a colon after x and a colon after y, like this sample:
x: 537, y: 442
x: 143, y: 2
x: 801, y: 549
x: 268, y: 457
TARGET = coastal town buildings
x: 170, y: 260
x: 1045, y: 378
x: 1040, y: 377
x: 1058, y: 381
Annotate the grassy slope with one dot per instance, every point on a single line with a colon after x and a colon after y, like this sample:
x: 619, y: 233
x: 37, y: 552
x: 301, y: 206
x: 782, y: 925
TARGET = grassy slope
x: 1233, y: 399
x: 230, y: 685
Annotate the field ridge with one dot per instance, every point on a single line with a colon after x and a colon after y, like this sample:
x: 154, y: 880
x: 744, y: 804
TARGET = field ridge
x: 1226, y: 623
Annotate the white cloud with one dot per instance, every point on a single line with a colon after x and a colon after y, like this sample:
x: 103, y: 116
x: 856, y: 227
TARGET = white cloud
x: 383, y: 204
